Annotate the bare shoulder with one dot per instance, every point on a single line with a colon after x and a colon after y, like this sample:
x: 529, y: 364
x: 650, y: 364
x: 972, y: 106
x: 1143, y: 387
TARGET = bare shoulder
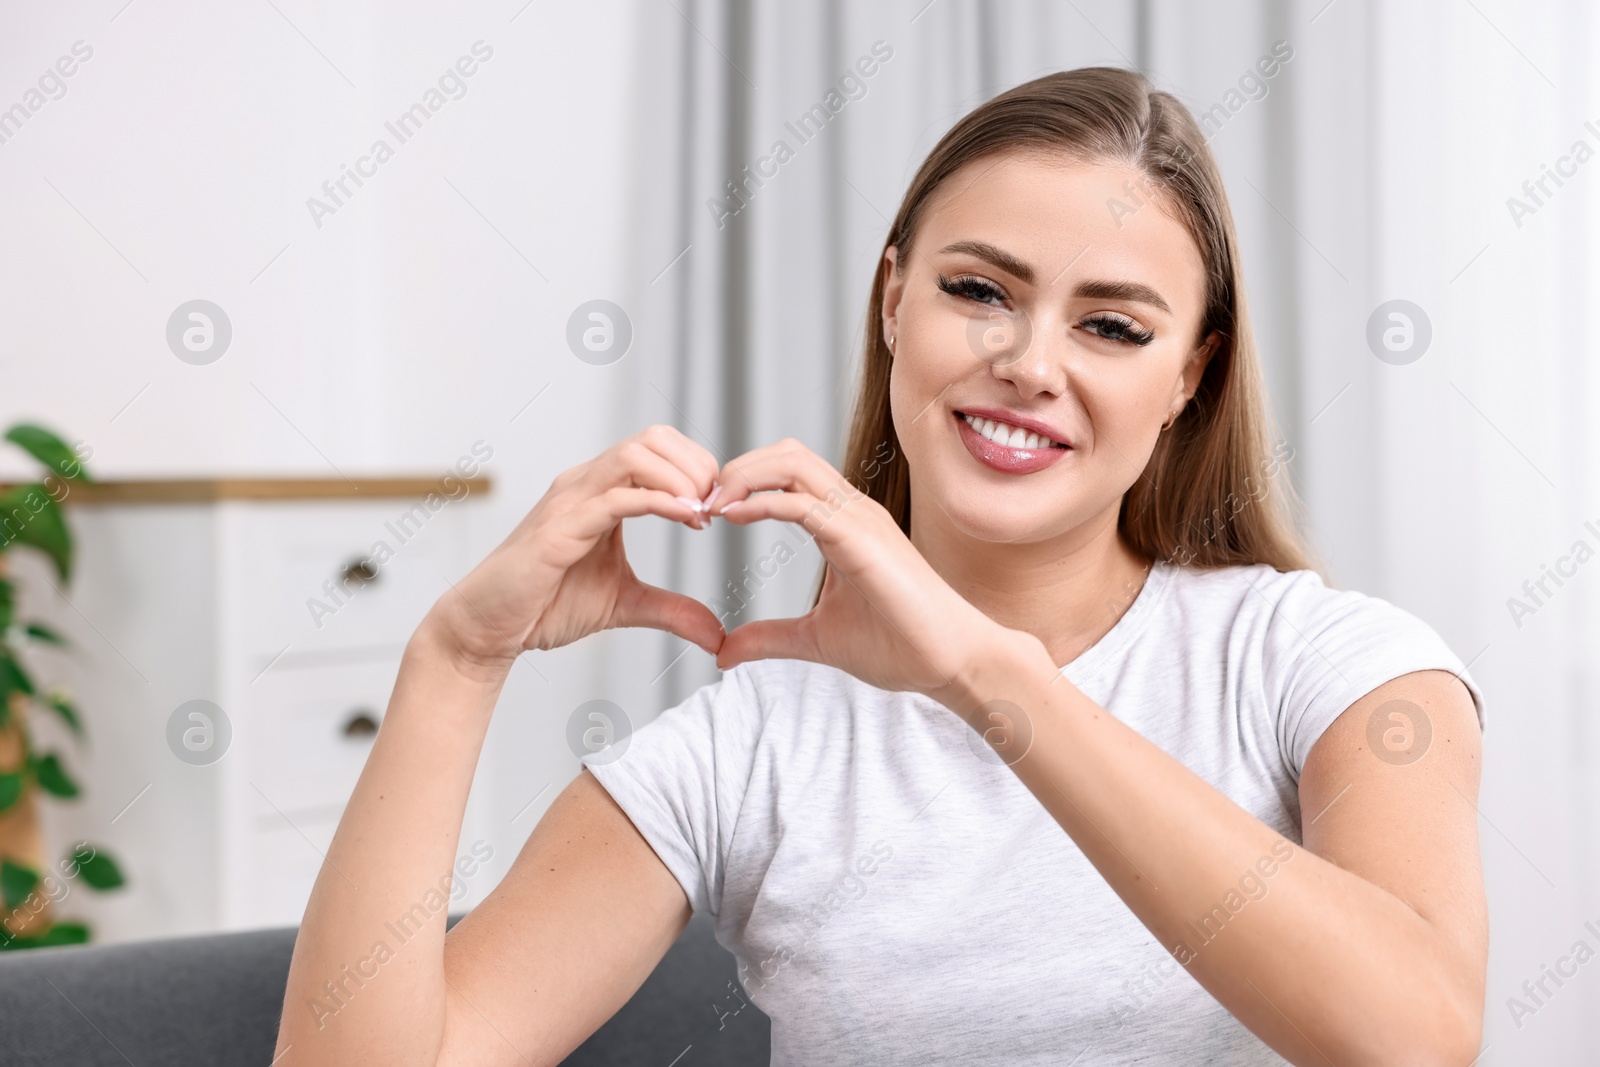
x: 1389, y: 792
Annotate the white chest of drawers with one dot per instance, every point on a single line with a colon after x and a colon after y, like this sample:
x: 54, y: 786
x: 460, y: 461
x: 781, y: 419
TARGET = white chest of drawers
x: 286, y: 604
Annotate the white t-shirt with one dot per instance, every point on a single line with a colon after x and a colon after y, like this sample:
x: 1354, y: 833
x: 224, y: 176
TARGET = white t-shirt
x: 895, y: 895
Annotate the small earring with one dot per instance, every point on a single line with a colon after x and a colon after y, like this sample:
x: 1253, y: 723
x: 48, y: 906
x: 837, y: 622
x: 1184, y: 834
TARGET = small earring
x: 891, y: 344
x: 1171, y: 417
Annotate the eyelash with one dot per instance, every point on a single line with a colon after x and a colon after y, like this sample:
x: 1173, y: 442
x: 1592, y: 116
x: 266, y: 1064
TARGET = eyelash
x: 1101, y: 323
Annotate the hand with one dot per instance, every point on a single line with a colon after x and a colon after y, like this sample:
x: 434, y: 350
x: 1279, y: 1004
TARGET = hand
x: 561, y: 574
x: 884, y: 615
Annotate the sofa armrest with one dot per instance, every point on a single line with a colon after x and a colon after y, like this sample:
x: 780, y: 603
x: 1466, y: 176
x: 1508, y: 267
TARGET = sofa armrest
x: 214, y: 1000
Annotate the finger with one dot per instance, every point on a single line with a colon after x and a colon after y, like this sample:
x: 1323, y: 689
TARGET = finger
x: 769, y: 639
x: 689, y: 456
x: 697, y: 468
x: 815, y: 515
x: 857, y: 539
x: 787, y: 466
x: 633, y: 462
x: 660, y: 609
x: 598, y: 514
x: 743, y: 474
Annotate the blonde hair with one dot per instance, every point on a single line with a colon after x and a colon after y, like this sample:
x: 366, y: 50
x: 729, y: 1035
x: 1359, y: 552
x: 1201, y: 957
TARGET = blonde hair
x: 1206, y: 496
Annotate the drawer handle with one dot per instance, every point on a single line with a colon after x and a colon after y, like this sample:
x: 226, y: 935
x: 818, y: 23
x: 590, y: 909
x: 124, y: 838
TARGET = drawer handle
x: 361, y: 724
x: 359, y: 572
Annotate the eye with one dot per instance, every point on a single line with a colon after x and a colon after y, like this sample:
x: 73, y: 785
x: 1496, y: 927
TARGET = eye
x: 1117, y: 328
x: 971, y: 288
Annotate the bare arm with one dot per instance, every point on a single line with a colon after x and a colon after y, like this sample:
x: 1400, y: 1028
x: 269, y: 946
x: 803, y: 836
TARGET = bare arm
x: 1367, y: 945
x: 575, y: 928
x: 373, y: 978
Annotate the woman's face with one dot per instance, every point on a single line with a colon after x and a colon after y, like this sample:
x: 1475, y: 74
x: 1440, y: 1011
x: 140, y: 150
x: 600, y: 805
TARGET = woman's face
x: 1044, y: 327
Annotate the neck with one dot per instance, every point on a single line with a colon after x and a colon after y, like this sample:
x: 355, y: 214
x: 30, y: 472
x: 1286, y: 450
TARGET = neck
x: 1068, y: 591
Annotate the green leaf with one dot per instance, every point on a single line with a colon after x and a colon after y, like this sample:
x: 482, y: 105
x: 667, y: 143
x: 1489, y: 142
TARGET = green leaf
x: 28, y: 516
x: 59, y: 934
x: 13, y: 679
x: 7, y: 599
x: 40, y: 632
x: 97, y: 868
x: 63, y: 707
x: 11, y: 784
x: 53, y: 778
x: 16, y: 882
x: 48, y: 449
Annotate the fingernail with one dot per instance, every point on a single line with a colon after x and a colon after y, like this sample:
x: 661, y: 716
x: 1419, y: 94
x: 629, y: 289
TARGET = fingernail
x: 689, y: 502
x: 716, y: 491
x: 729, y: 507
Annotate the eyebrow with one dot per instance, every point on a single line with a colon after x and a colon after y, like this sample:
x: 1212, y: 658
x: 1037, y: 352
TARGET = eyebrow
x: 1101, y: 289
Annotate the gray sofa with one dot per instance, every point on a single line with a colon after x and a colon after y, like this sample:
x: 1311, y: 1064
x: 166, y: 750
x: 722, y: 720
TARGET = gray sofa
x: 214, y: 1001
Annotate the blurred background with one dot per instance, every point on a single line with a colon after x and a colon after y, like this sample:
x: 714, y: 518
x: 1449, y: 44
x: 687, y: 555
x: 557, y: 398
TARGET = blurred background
x: 294, y: 280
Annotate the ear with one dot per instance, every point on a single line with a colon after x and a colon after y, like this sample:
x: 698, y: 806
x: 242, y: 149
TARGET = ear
x: 1195, y: 368
x: 894, y: 287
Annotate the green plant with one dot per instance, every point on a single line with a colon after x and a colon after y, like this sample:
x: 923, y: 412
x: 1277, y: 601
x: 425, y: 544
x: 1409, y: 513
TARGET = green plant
x: 31, y: 516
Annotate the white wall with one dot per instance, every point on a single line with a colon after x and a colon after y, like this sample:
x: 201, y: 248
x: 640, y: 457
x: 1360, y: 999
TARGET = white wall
x: 407, y: 326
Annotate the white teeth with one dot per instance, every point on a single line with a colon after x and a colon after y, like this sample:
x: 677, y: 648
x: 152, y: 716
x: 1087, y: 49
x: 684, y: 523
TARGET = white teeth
x: 1009, y: 436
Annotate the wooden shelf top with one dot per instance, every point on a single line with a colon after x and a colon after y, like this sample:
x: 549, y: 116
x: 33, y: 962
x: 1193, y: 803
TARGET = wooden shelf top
x: 205, y: 490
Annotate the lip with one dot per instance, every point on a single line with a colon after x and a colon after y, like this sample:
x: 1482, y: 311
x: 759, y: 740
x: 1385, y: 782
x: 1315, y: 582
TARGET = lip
x: 1001, y: 457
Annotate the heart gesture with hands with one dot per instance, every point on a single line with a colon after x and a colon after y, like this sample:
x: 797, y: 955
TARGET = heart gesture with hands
x: 561, y: 574
x: 884, y: 614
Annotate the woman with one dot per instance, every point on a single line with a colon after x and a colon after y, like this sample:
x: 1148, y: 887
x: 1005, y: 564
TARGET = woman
x: 1074, y: 759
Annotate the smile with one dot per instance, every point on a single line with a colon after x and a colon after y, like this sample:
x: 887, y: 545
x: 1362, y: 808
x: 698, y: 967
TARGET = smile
x: 1002, y: 433
x: 1004, y: 447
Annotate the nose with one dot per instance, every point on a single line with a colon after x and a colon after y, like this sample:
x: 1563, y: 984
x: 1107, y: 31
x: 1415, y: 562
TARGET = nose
x: 1032, y: 355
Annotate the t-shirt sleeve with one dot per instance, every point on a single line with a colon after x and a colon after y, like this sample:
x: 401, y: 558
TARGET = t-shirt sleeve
x: 682, y: 778
x: 1328, y: 648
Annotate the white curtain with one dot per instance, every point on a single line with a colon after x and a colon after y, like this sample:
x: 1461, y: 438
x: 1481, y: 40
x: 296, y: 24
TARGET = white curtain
x: 1373, y: 165
x: 754, y: 302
